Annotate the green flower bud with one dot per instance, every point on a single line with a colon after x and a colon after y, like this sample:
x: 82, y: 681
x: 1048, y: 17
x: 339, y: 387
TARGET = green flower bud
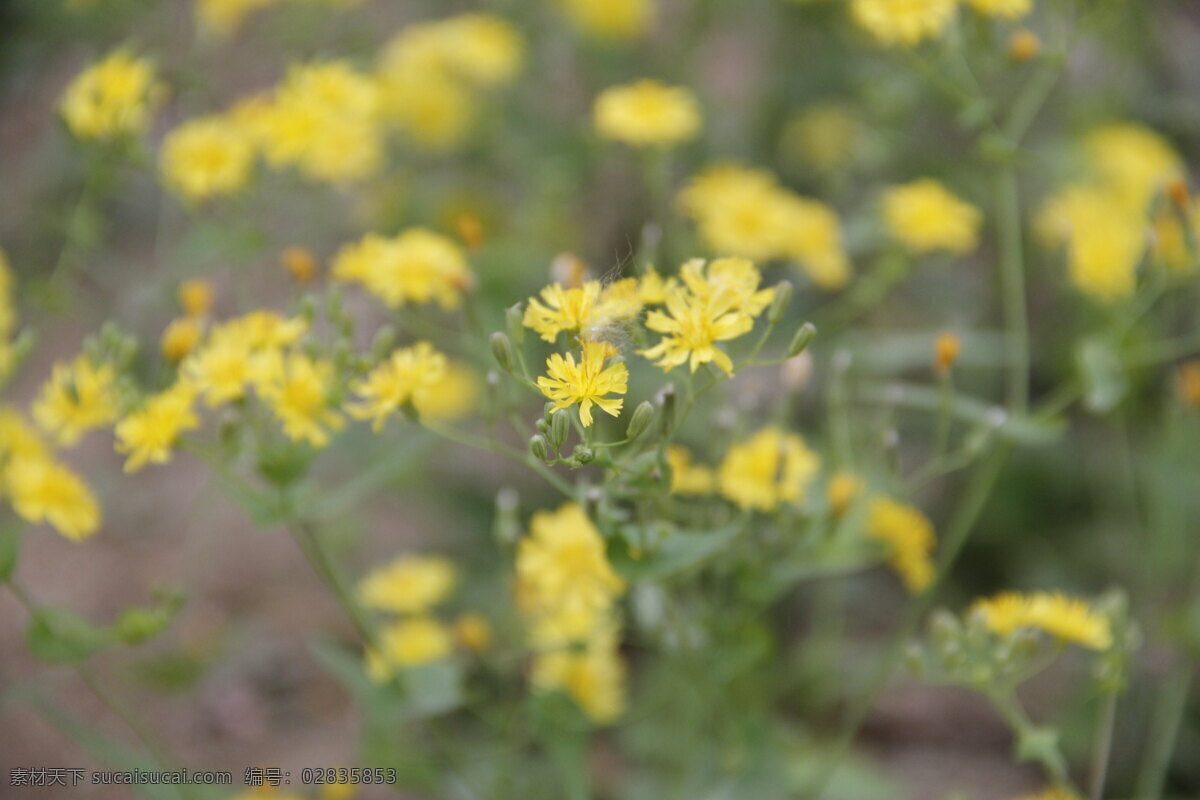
x: 543, y: 427
x: 666, y: 399
x: 514, y: 322
x: 537, y: 446
x: 560, y: 428
x: 502, y: 351
x: 804, y: 336
x: 783, y: 297
x: 643, y: 415
x: 583, y: 454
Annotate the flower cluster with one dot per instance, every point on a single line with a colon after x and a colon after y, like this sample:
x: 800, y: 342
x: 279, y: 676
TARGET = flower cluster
x: 418, y: 266
x: 114, y: 97
x: 647, y: 113
x: 1065, y: 618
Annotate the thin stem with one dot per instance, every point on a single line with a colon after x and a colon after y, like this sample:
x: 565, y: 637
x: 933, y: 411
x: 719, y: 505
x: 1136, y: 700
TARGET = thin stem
x: 1012, y: 287
x: 1168, y: 716
x: 310, y: 544
x: 500, y: 448
x: 1102, y: 746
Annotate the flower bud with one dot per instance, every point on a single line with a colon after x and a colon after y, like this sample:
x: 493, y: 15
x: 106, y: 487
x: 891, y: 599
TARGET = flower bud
x: 802, y: 339
x: 300, y: 263
x: 643, y: 415
x: 666, y: 399
x: 783, y: 296
x: 945, y: 352
x: 196, y: 297
x: 514, y: 323
x: 1024, y: 45
x: 502, y: 351
x: 583, y: 454
x: 537, y: 446
x: 560, y: 428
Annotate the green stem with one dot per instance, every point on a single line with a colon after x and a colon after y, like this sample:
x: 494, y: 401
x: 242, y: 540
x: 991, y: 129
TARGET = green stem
x: 1102, y: 746
x: 1012, y: 287
x: 310, y: 544
x: 1168, y: 716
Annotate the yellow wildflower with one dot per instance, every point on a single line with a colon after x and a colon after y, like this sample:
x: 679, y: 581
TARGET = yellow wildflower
x: 43, y: 490
x: 221, y: 369
x: 611, y: 19
x: 206, y: 157
x: 925, y: 217
x: 473, y: 632
x: 78, y: 397
x: 452, y: 396
x: 482, y: 48
x: 1065, y: 618
x: 408, y: 643
x: 562, y: 309
x: 418, y: 266
x: 1024, y: 45
x: 408, y: 585
x: 586, y: 383
x: 1132, y: 162
x: 904, y: 22
x: 149, y: 434
x: 114, y: 97
x: 909, y: 537
x: 647, y: 113
x: 945, y: 351
x: 688, y: 477
x: 770, y: 468
x: 181, y: 337
x: 402, y: 378
x: 1104, y: 240
x: 300, y: 263
x: 734, y: 279
x: 593, y: 677
x: 18, y: 440
x: 841, y: 491
x: 196, y: 297
x: 691, y: 327
x: 298, y: 394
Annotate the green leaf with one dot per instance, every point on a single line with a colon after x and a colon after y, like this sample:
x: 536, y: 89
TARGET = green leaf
x: 676, y: 551
x: 59, y: 636
x: 433, y: 689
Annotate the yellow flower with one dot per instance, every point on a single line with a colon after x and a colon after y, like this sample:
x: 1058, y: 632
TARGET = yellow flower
x: 418, y: 266
x: 727, y: 279
x: 149, y: 434
x: 647, y: 113
x: 841, y: 491
x: 225, y: 17
x: 593, y: 677
x: 196, y: 297
x: 1104, y: 240
x: 431, y: 108
x: 298, y: 394
x: 300, y: 263
x: 692, y: 326
x: 408, y: 643
x: 43, y: 490
x: 904, y: 22
x: 402, y: 378
x: 78, y: 397
x: 562, y: 309
x: 611, y: 19
x: 812, y: 236
x: 114, y: 97
x: 18, y: 440
x: 909, y: 537
x: 653, y: 289
x: 482, y: 48
x: 586, y: 383
x: 1007, y: 9
x: 181, y: 337
x: 206, y: 157
x: 221, y: 370
x: 1065, y: 618
x: 408, y: 585
x: 925, y: 217
x: 452, y: 396
x: 473, y: 631
x: 686, y: 476
x: 770, y: 468
x: 1132, y: 162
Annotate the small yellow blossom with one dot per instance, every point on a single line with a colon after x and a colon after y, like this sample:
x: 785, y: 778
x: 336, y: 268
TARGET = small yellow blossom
x: 473, y: 631
x: 1132, y: 162
x: 768, y: 469
x: 298, y: 394
x: 909, y: 537
x: 114, y: 97
x: 945, y: 352
x: 1065, y: 618
x: 196, y: 297
x: 452, y: 396
x: 418, y: 266
x: 842, y: 490
x: 408, y: 585
x: 149, y: 434
x: 688, y: 477
x: 403, y: 378
x: 77, y: 398
x: 221, y: 369
x: 300, y: 263
x: 692, y: 326
x: 562, y: 309
x: 1024, y: 45
x: 43, y: 490
x: 408, y: 643
x: 647, y: 113
x: 593, y: 677
x: 611, y: 19
x: 482, y: 48
x: 181, y: 337
x: 206, y: 157
x: 904, y: 22
x: 18, y: 440
x: 1105, y: 241
x: 587, y: 383
x: 925, y: 217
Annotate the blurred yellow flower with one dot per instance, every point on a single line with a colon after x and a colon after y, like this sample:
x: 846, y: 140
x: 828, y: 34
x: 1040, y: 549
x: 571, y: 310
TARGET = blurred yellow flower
x: 770, y: 468
x: 408, y: 643
x: 114, y: 97
x: 418, y: 266
x: 1132, y: 162
x: 1104, y: 239
x: 196, y: 297
x: 206, y: 157
x: 925, y: 217
x: 405, y: 376
x: 225, y: 17
x: 452, y: 396
x: 408, y: 585
x: 298, y: 392
x: 611, y: 19
x: 1065, y: 618
x: 909, y: 538
x: 77, y: 398
x: 904, y: 22
x: 43, y: 490
x: 149, y: 434
x: 842, y: 490
x: 473, y: 632
x: 647, y: 113
x: 688, y: 477
x: 587, y: 383
x: 594, y: 677
x: 181, y: 337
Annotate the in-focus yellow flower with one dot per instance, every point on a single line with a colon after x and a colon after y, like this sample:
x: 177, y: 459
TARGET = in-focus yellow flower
x: 114, y: 97
x: 1066, y: 618
x: 904, y: 22
x: 404, y: 377
x: 925, y: 217
x: 408, y: 643
x: 149, y: 434
x: 687, y: 477
x: 1006, y: 9
x: 77, y: 398
x: 587, y: 383
x: 418, y: 266
x: 181, y: 337
x: 408, y: 585
x: 594, y: 677
x: 43, y: 490
x: 611, y: 19
x: 473, y: 632
x: 768, y: 469
x: 909, y: 537
x: 647, y: 113
x: 298, y: 394
x: 206, y: 157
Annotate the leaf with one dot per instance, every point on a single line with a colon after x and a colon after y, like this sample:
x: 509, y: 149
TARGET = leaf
x: 1105, y: 383
x: 433, y: 689
x: 10, y: 545
x: 59, y: 636
x: 675, y: 552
